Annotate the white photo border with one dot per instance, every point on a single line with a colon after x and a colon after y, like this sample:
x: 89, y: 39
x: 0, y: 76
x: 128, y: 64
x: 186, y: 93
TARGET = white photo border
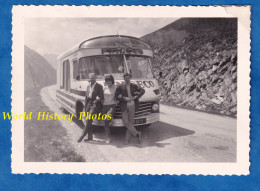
x: 240, y: 167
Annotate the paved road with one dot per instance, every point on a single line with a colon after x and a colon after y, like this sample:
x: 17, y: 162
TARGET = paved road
x: 180, y: 136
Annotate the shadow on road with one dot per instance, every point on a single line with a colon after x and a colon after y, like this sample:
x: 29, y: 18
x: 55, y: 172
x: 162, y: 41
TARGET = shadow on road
x: 156, y: 135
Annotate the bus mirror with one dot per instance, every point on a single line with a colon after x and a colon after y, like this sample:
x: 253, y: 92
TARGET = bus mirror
x: 77, y: 77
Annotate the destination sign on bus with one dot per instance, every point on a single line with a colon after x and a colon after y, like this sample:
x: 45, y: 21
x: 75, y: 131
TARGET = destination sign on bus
x: 121, y: 51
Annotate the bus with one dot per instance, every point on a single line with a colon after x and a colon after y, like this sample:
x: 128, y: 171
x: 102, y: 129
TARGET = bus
x: 114, y: 54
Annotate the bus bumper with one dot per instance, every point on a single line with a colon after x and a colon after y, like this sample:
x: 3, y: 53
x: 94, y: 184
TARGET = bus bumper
x: 151, y: 118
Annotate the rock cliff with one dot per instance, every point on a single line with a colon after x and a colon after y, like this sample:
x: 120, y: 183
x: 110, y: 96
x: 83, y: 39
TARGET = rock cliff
x: 195, y: 61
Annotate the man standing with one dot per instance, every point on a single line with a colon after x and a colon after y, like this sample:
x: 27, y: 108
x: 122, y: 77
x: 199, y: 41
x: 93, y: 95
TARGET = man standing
x: 93, y: 104
x: 128, y: 95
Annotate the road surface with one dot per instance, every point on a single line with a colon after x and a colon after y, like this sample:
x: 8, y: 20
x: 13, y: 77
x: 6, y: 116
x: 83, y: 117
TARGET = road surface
x: 181, y: 135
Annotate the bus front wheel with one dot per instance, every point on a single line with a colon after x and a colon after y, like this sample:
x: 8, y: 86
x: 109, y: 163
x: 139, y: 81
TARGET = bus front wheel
x: 142, y: 127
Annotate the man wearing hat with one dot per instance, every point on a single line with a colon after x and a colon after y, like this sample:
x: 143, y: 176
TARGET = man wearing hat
x: 128, y: 95
x: 93, y: 104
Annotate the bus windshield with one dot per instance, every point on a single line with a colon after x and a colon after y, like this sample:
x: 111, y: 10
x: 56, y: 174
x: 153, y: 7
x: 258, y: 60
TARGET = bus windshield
x: 101, y: 65
x: 139, y: 66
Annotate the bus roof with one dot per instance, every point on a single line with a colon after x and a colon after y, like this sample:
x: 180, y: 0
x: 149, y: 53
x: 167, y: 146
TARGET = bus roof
x: 111, y: 41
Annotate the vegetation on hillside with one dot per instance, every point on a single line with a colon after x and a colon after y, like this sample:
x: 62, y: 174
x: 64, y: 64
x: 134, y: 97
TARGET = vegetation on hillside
x: 37, y: 71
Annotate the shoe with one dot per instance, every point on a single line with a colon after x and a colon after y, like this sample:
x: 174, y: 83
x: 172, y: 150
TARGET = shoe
x: 80, y: 139
x: 139, y: 137
x: 107, y: 141
x: 89, y: 139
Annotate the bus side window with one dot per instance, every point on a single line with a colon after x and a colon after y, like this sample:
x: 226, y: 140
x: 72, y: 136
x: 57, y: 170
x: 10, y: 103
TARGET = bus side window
x: 75, y: 70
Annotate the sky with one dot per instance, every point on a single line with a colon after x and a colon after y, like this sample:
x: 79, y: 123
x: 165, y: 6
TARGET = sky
x: 56, y: 35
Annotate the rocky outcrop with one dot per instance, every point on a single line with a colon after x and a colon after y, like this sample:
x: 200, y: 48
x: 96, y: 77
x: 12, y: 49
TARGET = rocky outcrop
x: 199, y: 70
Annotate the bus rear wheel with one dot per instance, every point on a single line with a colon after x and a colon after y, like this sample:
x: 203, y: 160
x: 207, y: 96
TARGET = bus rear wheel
x: 63, y: 110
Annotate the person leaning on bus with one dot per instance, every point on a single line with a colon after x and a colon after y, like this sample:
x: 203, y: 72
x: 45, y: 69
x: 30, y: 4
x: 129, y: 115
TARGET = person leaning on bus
x: 109, y: 103
x: 93, y: 104
x: 128, y: 95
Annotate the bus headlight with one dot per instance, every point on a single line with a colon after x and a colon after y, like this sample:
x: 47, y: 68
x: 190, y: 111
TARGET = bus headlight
x: 155, y: 107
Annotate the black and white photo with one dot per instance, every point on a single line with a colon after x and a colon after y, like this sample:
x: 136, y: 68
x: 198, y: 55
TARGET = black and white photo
x: 162, y: 91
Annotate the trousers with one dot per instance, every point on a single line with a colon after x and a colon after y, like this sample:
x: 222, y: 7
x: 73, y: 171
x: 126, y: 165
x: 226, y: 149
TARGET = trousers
x: 88, y: 129
x: 108, y: 109
x: 128, y: 120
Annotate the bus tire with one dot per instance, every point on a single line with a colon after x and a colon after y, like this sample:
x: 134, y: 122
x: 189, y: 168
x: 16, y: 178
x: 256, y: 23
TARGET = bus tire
x: 142, y: 127
x: 117, y: 130
x: 63, y: 110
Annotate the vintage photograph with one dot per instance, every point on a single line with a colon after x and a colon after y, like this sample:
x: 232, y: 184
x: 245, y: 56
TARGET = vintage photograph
x: 143, y: 90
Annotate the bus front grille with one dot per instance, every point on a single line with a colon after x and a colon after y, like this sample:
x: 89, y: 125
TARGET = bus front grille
x: 144, y: 109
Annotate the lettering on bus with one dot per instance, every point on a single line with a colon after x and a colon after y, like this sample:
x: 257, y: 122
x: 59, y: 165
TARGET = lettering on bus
x: 142, y: 84
x: 121, y: 51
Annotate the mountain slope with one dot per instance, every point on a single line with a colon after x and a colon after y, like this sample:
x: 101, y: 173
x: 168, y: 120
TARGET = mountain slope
x: 52, y: 59
x: 38, y: 72
x: 197, y: 60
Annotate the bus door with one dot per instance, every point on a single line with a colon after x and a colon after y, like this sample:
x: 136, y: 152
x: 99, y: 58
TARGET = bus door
x: 66, y: 75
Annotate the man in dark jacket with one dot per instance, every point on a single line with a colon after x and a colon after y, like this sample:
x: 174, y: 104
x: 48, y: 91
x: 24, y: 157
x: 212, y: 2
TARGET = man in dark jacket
x: 128, y: 95
x: 93, y: 104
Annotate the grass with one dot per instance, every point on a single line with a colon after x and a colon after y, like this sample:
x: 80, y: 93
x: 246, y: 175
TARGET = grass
x: 45, y: 141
